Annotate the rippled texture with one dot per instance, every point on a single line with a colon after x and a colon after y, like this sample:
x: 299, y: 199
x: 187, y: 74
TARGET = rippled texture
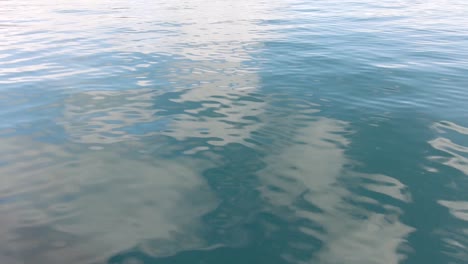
x: 233, y: 132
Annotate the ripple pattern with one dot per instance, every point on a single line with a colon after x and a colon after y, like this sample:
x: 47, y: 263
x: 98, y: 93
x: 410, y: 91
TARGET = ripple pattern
x: 205, y: 131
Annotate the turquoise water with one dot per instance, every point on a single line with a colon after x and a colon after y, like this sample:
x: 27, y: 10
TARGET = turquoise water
x: 207, y: 131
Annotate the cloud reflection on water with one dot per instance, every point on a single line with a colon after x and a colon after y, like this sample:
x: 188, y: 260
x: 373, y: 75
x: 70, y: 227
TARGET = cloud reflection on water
x: 453, y: 153
x: 72, y: 203
x: 314, y: 171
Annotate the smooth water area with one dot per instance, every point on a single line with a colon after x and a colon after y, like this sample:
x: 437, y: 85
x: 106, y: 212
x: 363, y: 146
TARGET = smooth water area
x: 247, y: 131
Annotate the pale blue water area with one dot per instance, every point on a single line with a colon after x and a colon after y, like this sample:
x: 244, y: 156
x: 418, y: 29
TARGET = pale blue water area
x: 247, y: 131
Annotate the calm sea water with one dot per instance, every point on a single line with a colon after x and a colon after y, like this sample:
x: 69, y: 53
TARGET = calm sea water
x: 245, y: 131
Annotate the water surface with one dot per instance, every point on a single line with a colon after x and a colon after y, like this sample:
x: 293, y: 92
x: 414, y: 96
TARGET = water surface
x: 206, y: 131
